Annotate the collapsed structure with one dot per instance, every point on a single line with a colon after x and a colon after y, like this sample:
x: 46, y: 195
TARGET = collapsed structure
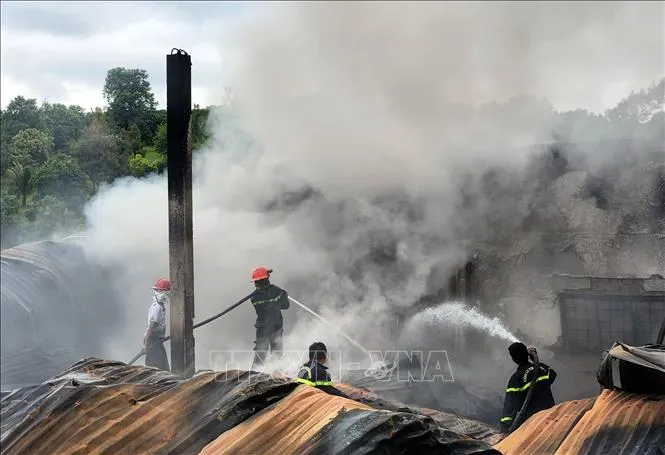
x: 108, y: 407
x: 101, y: 407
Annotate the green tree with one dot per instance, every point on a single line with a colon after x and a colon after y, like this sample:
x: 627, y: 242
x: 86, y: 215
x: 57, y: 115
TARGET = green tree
x: 51, y: 214
x: 20, y: 177
x: 159, y: 141
x: 130, y: 101
x: 31, y: 147
x: 62, y: 177
x: 21, y: 114
x: 199, y: 127
x: 10, y: 206
x: 99, y: 153
x: 131, y: 140
x: 140, y: 166
x: 64, y: 123
x: 5, y: 155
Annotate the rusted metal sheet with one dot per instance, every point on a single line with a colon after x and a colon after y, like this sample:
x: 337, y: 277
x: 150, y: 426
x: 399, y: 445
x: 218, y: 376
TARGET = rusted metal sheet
x: 613, y: 423
x: 544, y: 432
x: 619, y: 422
x: 309, y: 421
x: 101, y: 407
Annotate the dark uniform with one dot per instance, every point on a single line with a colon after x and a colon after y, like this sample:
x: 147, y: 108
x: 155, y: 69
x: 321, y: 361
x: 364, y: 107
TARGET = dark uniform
x: 269, y: 301
x: 315, y: 374
x: 518, y: 387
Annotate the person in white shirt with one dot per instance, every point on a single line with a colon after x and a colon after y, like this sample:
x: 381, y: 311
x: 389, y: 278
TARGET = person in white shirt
x: 153, y: 341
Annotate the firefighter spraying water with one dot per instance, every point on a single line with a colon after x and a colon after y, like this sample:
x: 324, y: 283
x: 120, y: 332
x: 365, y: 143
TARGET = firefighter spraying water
x: 269, y: 301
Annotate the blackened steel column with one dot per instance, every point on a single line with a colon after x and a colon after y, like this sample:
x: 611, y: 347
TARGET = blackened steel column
x: 179, y: 166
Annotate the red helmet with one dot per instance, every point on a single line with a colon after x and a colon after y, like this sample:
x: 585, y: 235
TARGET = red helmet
x: 162, y: 284
x: 260, y: 273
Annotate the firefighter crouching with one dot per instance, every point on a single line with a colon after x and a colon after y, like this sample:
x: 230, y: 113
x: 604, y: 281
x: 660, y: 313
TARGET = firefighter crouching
x: 269, y: 301
x: 520, y: 382
x: 153, y: 341
x: 315, y: 372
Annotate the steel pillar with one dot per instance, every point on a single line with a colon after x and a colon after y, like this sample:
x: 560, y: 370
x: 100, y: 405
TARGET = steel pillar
x: 179, y: 167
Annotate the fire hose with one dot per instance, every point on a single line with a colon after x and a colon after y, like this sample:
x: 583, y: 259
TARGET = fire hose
x: 196, y: 326
x: 522, y: 412
x: 243, y: 300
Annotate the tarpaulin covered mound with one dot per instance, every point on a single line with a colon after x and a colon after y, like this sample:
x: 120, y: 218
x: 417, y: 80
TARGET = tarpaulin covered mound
x: 614, y: 423
x: 55, y: 308
x: 634, y: 369
x: 99, y: 407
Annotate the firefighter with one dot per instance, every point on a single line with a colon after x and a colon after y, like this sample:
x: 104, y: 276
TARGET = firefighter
x: 153, y: 341
x: 269, y: 301
x: 519, y: 384
x: 315, y: 372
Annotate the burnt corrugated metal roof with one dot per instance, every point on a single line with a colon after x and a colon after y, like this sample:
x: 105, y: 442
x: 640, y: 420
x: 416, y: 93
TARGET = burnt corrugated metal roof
x: 473, y: 428
x: 309, y: 421
x: 100, y: 407
x: 139, y: 410
x: 614, y: 423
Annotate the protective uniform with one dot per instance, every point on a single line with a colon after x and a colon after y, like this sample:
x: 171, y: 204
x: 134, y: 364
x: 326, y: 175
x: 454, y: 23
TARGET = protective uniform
x: 315, y: 373
x: 518, y: 387
x: 155, y: 354
x: 269, y: 301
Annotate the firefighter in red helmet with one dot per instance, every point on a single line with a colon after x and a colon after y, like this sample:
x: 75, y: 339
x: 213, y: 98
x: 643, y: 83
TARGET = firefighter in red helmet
x: 269, y: 301
x: 153, y: 341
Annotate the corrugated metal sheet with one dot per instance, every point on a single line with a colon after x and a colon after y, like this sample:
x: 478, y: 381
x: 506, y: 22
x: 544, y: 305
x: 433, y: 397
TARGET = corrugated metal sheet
x: 619, y: 422
x: 286, y: 427
x: 100, y: 407
x: 103, y: 413
x: 473, y: 428
x: 614, y: 423
x: 52, y: 299
x: 544, y: 432
x: 309, y: 421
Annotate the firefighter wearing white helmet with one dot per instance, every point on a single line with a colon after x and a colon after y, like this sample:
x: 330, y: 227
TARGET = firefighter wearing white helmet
x: 153, y: 341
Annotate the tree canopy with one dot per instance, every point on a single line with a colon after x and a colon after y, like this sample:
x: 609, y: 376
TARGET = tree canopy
x: 55, y: 157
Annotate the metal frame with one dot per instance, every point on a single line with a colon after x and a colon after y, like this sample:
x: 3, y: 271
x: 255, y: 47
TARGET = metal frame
x: 566, y: 330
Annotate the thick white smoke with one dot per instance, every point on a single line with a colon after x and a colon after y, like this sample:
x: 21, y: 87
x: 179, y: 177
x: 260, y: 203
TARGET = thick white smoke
x: 378, y: 109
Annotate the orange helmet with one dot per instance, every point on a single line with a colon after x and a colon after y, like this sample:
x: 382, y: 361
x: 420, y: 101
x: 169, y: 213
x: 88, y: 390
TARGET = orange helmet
x: 163, y: 284
x: 260, y: 273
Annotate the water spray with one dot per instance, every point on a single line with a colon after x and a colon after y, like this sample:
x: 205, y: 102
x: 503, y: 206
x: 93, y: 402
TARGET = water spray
x: 320, y: 318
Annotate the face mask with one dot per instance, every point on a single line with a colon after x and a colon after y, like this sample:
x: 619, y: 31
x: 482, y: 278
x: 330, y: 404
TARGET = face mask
x: 162, y: 296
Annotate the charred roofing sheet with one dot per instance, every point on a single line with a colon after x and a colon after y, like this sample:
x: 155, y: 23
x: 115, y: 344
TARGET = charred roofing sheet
x: 309, y: 421
x: 473, y: 428
x: 162, y: 415
x: 100, y: 407
x: 614, y: 423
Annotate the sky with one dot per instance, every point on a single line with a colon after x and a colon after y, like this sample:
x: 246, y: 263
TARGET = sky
x: 60, y: 51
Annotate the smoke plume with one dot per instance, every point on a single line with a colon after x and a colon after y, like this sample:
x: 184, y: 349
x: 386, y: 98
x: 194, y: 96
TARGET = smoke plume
x: 373, y: 148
